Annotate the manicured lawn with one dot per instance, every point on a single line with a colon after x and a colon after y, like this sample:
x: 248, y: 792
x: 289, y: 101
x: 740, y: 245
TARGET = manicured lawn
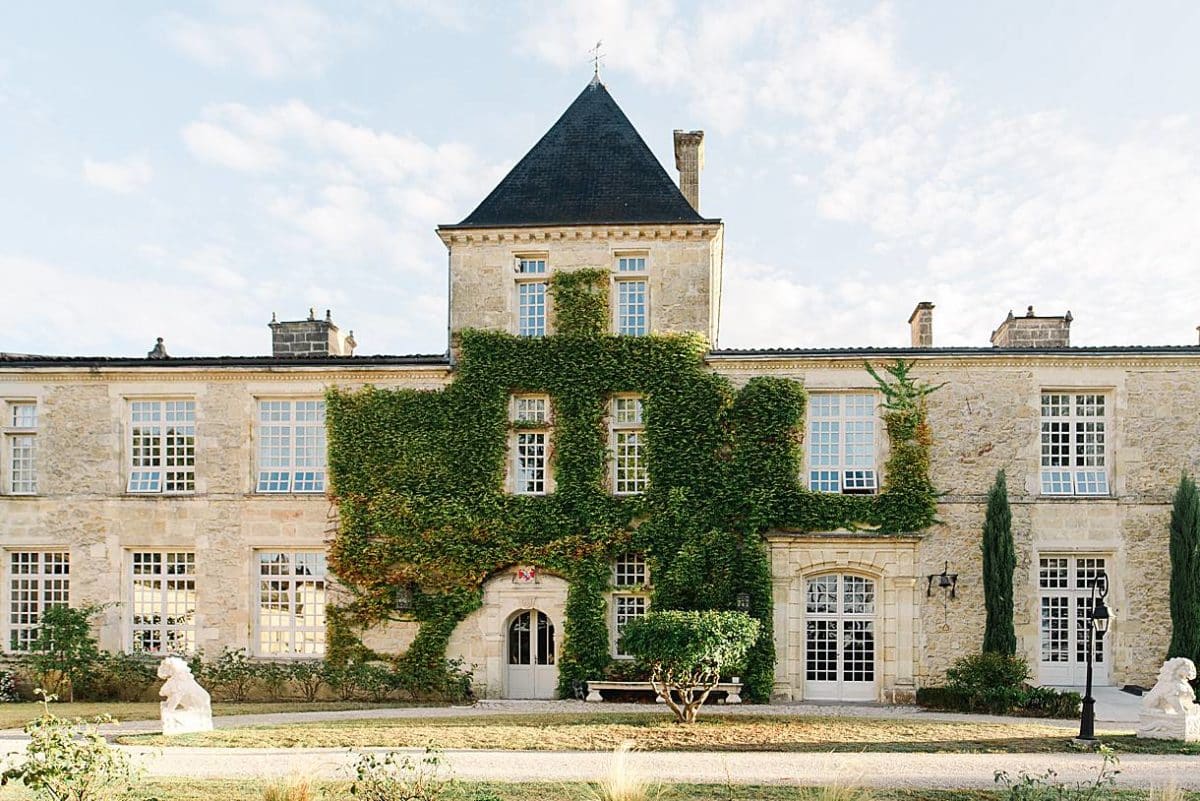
x: 248, y: 790
x: 16, y: 715
x: 656, y: 732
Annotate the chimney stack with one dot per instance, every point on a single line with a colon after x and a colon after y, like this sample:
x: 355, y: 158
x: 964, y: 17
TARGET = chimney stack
x: 306, y: 339
x: 689, y: 160
x: 1032, y: 331
x: 921, y: 322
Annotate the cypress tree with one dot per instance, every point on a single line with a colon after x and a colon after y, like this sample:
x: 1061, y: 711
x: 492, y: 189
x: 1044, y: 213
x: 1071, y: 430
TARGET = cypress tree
x: 1185, y: 572
x: 999, y: 562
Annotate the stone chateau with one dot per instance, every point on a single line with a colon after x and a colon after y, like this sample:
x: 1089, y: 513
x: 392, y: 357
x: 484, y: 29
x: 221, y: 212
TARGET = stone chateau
x: 188, y: 495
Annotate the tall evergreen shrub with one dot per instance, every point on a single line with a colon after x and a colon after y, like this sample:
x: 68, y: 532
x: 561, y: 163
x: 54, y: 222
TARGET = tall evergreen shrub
x: 1185, y: 572
x: 999, y: 562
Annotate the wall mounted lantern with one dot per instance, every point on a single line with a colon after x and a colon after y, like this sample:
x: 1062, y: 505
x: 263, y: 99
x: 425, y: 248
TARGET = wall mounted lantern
x: 743, y: 602
x: 947, y: 582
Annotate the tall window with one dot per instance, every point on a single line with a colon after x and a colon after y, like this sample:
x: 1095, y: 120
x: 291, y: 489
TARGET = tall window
x: 530, y: 447
x: 291, y: 446
x: 628, y: 446
x: 531, y: 297
x: 841, y: 443
x: 1074, y: 443
x: 629, y: 601
x: 162, y: 446
x: 37, y: 581
x: 631, y: 291
x: 291, y: 603
x: 19, y: 447
x: 163, y: 603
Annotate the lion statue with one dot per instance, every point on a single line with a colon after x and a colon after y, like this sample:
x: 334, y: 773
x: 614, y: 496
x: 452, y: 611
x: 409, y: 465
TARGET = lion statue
x: 187, y: 707
x: 1173, y: 692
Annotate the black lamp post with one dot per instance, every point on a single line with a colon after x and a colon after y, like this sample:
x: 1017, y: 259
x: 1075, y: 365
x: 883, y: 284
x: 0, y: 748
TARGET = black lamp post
x: 1098, y: 619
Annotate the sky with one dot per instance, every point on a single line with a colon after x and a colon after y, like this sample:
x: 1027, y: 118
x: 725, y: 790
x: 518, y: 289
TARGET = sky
x: 186, y: 170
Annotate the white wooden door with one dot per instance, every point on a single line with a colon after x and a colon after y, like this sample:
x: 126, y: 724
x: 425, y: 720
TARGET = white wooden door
x: 532, y: 672
x: 1065, y: 598
x: 839, y: 638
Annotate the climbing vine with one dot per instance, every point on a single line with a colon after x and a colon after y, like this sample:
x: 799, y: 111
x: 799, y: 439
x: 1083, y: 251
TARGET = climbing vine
x: 419, y: 480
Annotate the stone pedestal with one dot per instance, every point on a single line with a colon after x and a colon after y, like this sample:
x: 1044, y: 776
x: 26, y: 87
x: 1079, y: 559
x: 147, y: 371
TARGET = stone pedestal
x: 1157, y: 725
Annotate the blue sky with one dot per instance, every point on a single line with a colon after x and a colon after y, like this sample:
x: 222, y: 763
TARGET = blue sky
x: 185, y: 171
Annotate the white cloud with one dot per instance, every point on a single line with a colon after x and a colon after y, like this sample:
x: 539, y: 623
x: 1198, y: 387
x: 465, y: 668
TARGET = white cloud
x: 217, y: 145
x: 269, y: 39
x: 123, y: 177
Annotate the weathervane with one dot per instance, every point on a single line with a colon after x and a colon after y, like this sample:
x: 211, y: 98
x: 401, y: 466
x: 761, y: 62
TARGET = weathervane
x: 597, y: 57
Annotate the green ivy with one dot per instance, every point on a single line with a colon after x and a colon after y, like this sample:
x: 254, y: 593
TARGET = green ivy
x: 419, y: 481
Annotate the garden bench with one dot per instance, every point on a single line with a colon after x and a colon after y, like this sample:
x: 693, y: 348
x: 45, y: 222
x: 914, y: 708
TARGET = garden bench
x: 732, y: 690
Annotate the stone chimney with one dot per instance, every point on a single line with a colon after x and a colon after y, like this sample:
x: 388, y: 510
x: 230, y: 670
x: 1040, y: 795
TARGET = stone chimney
x: 306, y: 339
x: 921, y: 323
x: 689, y: 160
x: 1032, y: 331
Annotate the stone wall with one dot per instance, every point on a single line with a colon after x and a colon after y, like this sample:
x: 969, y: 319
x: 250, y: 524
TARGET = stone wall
x: 683, y: 263
x: 83, y: 507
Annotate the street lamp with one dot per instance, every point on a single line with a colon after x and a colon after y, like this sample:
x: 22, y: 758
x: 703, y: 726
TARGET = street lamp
x: 1098, y: 619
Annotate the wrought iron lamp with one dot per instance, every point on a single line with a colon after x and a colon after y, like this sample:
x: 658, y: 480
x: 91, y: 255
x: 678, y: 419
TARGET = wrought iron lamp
x: 948, y: 583
x: 743, y: 602
x: 1098, y: 618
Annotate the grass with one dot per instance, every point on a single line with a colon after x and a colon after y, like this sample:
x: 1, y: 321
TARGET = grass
x: 16, y: 715
x: 252, y: 790
x: 656, y: 732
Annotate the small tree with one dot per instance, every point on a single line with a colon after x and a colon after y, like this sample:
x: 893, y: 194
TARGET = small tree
x: 64, y: 654
x: 688, y: 651
x: 1185, y: 572
x: 999, y: 562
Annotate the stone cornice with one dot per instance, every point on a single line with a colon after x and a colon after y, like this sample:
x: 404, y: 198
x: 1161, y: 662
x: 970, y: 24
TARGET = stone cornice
x: 47, y: 375
x: 548, y: 235
x: 839, y: 537
x: 762, y: 365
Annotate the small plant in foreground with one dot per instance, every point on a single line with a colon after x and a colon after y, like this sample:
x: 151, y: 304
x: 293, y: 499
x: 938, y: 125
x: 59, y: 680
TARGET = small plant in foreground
x: 293, y: 788
x: 623, y: 782
x: 400, y: 778
x: 1047, y: 787
x: 68, y: 760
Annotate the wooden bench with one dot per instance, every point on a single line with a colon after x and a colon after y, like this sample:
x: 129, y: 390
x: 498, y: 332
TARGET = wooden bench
x: 732, y: 690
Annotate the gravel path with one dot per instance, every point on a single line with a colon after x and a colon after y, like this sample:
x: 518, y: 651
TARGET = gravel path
x: 867, y: 770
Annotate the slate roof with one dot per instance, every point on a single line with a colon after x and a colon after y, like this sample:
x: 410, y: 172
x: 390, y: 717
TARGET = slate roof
x: 591, y: 167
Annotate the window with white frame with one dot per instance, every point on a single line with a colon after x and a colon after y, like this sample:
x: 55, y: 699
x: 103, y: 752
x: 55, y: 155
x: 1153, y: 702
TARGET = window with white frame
x: 291, y: 446
x: 531, y: 297
x: 630, y: 476
x: 530, y: 415
x: 841, y: 443
x: 629, y: 602
x: 162, y: 603
x: 291, y: 603
x: 37, y: 581
x: 1074, y: 442
x: 162, y: 446
x: 18, y: 447
x: 631, y: 288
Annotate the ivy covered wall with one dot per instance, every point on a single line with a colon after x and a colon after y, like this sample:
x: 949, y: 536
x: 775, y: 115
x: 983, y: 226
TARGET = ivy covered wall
x: 419, y: 480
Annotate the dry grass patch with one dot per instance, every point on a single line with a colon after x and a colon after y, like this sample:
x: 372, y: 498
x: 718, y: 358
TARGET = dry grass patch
x: 656, y: 732
x: 16, y: 715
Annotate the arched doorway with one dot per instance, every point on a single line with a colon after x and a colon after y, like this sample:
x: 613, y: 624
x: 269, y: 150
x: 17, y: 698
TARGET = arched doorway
x: 839, y: 638
x: 532, y: 662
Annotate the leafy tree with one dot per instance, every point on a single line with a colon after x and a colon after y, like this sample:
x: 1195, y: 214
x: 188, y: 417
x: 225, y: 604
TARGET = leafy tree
x: 1185, y: 572
x: 64, y: 655
x: 688, y: 651
x: 999, y: 562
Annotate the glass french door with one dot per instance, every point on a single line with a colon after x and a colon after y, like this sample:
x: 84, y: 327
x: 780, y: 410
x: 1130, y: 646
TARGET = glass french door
x: 1065, y: 598
x: 839, y: 638
x: 532, y: 672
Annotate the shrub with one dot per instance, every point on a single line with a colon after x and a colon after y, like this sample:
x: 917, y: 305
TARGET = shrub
x: 64, y: 655
x: 8, y: 688
x: 124, y: 677
x: 345, y: 680
x: 308, y: 676
x: 988, y: 670
x: 377, y: 679
x: 274, y: 678
x: 68, y: 760
x: 389, y: 777
x: 996, y: 684
x: 688, y: 651
x: 233, y: 674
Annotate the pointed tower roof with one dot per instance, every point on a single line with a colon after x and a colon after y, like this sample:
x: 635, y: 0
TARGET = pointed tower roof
x: 590, y: 167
